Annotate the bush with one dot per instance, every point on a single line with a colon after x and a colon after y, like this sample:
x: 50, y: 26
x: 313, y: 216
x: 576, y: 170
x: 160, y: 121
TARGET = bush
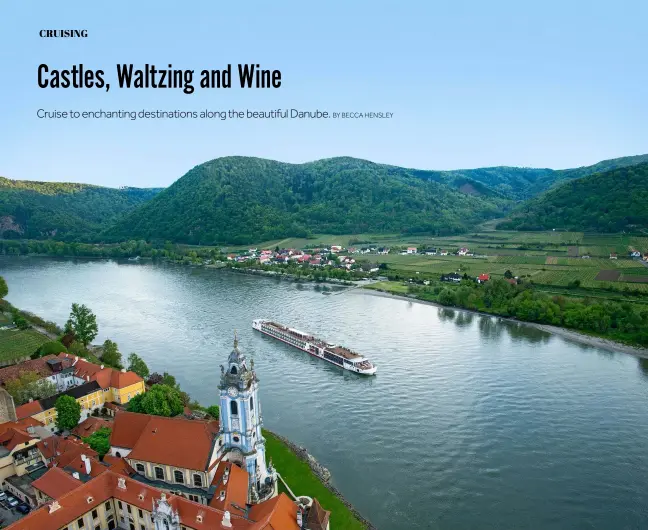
x: 52, y: 347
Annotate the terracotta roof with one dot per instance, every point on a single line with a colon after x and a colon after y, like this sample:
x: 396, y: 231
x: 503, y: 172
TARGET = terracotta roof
x: 39, y: 366
x: 127, y: 428
x: 278, y: 513
x: 318, y: 517
x: 77, y: 464
x: 14, y: 437
x: 23, y: 424
x: 90, y: 425
x: 235, y: 489
x: 56, y: 483
x: 117, y: 465
x: 28, y: 409
x: 104, y: 375
x: 56, y: 447
x: 172, y: 441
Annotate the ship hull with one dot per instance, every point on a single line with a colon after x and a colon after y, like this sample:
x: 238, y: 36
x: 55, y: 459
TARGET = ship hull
x: 316, y: 353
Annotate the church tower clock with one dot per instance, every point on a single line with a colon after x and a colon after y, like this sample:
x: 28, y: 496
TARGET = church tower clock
x: 240, y: 424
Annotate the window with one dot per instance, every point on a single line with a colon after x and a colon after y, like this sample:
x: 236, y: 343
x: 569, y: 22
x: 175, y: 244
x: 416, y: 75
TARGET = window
x: 236, y: 439
x: 159, y: 473
x: 94, y: 514
x: 178, y: 476
x: 80, y: 523
x: 128, y: 508
x: 140, y: 468
x: 233, y: 370
x: 197, y: 479
x: 120, y: 505
x: 98, y: 527
x: 142, y: 527
x: 107, y: 506
x: 111, y: 524
x: 93, y: 403
x: 132, y: 526
x: 234, y: 408
x: 251, y: 403
x: 140, y: 513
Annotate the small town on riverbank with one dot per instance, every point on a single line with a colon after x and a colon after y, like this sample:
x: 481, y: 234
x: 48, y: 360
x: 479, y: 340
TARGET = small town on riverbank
x: 91, y: 440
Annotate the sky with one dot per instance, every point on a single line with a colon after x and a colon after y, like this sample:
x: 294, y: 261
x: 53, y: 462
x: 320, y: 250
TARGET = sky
x: 471, y: 84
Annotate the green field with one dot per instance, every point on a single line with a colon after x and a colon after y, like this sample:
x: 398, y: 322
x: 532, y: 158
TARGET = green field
x: 302, y: 481
x: 15, y: 343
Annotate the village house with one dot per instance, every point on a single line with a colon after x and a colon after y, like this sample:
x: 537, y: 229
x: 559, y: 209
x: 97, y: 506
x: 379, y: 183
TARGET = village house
x: 430, y: 251
x: 462, y: 251
x: 411, y: 250
x: 452, y: 277
x: 382, y: 250
x: 613, y: 255
x: 635, y: 254
x: 58, y: 371
x: 482, y: 278
x: 443, y: 253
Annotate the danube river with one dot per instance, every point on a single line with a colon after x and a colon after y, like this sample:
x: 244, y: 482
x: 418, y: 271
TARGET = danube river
x: 470, y: 423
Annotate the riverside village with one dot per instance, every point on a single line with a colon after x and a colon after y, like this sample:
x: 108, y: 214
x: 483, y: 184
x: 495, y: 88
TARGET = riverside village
x: 184, y: 472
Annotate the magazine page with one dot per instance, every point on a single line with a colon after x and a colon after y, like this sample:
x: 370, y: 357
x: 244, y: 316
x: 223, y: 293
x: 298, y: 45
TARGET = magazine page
x: 323, y: 266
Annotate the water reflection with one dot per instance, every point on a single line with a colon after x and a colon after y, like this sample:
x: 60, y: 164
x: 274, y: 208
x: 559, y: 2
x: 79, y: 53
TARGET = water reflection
x: 643, y: 366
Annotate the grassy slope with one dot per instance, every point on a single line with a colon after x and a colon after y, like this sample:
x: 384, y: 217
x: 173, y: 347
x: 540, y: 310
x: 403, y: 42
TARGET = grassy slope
x: 302, y: 481
x: 15, y: 344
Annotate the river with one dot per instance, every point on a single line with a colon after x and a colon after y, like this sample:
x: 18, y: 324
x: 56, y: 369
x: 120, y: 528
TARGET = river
x: 471, y: 422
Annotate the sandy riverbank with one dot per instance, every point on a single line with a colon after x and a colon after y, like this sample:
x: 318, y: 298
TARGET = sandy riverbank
x: 567, y: 334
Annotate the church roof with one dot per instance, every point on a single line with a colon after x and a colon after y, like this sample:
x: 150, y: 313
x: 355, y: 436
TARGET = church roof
x: 235, y: 488
x: 318, y: 517
x: 175, y: 442
x: 279, y: 513
x: 55, y: 483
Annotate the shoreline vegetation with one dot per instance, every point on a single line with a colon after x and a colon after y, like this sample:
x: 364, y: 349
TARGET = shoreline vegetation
x: 595, y: 341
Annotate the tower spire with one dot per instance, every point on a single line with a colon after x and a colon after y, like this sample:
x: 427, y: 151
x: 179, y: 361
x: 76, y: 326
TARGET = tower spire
x: 235, y: 339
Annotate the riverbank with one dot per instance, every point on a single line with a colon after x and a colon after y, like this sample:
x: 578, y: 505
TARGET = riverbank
x: 290, y: 277
x: 305, y: 476
x: 568, y: 334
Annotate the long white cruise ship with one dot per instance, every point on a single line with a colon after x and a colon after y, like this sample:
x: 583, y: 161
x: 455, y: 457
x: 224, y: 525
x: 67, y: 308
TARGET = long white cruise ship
x: 338, y: 355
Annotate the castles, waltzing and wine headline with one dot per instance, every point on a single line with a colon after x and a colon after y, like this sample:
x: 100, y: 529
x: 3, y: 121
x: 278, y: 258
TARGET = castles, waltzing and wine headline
x: 149, y: 76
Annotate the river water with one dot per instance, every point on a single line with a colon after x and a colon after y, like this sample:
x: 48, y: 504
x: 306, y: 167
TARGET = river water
x: 471, y: 422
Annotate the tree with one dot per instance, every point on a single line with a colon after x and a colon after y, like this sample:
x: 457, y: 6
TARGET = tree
x: 68, y: 413
x: 83, y: 323
x: 136, y: 364
x: 4, y: 290
x: 214, y: 411
x: 160, y: 400
x: 99, y: 441
x: 169, y: 380
x: 30, y: 385
x: 508, y: 274
x: 111, y: 355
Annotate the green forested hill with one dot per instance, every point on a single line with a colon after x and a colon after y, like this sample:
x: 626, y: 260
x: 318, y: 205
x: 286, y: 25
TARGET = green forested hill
x: 62, y: 210
x: 521, y: 183
x: 612, y: 201
x: 241, y: 200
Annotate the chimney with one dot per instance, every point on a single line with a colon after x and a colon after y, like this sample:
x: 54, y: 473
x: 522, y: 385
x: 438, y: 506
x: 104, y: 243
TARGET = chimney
x: 227, y: 521
x: 31, y: 400
x: 76, y: 475
x: 87, y: 378
x: 123, y: 370
x: 299, y: 517
x: 86, y: 461
x: 102, y: 366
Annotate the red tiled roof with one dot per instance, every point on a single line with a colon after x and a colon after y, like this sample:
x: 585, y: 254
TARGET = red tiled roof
x: 20, y: 424
x: 55, y: 483
x: 28, y: 409
x: 90, y: 425
x: 278, y: 513
x: 318, y: 517
x: 13, y: 437
x: 127, y: 428
x: 39, y: 366
x: 106, y: 376
x: 117, y: 465
x: 484, y: 277
x: 63, y: 450
x: 236, y: 488
x: 77, y: 464
x: 172, y: 441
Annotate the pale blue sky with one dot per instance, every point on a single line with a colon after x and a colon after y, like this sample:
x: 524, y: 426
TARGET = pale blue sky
x: 471, y: 83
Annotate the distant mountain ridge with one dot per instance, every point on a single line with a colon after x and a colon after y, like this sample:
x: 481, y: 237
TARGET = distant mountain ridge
x: 245, y: 199
x: 40, y: 210
x: 609, y: 201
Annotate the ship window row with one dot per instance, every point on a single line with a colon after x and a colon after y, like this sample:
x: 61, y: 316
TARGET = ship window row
x: 332, y: 358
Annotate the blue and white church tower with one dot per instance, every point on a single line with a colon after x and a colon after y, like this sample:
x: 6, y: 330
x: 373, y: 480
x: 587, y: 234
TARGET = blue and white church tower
x: 240, y: 424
